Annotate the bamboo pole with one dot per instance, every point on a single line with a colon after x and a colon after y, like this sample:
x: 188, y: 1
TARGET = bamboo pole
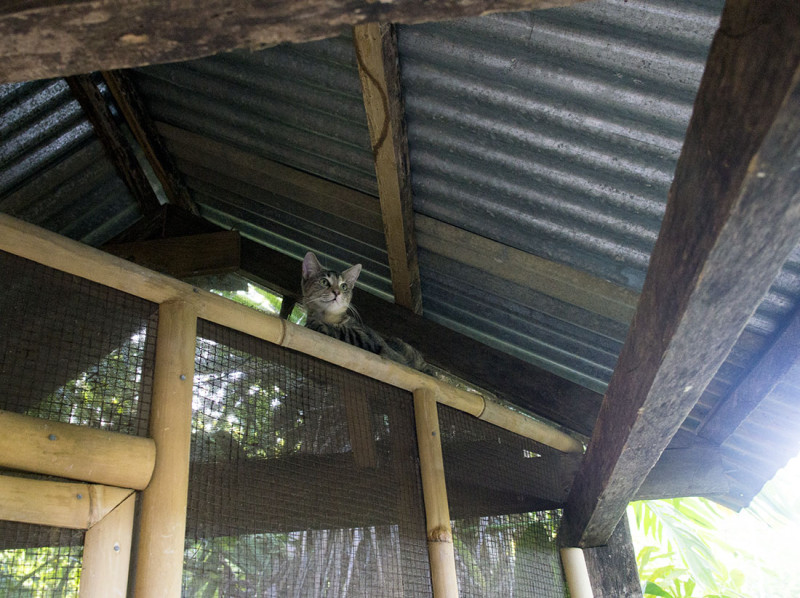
x: 434, y: 491
x: 61, y: 504
x: 55, y: 251
x: 576, y: 572
x: 107, y: 554
x: 77, y: 452
x: 163, y: 514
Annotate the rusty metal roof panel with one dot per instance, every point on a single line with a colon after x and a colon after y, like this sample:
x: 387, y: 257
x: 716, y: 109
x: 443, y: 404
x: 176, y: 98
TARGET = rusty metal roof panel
x: 53, y: 171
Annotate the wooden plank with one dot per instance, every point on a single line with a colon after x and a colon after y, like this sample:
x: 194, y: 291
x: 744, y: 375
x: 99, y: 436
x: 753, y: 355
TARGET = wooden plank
x: 143, y: 128
x: 612, y: 568
x: 549, y: 278
x: 107, y: 554
x: 379, y: 71
x: 778, y: 362
x: 732, y: 217
x: 181, y: 257
x: 50, y: 39
x: 75, y: 452
x: 61, y: 504
x: 114, y: 142
x: 434, y: 492
x: 163, y: 515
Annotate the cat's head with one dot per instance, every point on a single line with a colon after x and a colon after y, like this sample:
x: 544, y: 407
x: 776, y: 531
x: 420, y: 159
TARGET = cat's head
x: 327, y: 294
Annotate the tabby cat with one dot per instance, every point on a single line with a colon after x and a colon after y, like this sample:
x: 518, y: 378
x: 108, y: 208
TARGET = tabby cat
x: 326, y: 297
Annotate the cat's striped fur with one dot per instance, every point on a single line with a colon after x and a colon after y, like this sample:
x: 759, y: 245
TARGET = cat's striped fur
x: 327, y: 295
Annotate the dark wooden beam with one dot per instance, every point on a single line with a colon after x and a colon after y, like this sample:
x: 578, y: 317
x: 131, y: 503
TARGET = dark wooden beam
x: 143, y: 128
x: 379, y: 71
x: 181, y: 257
x: 732, y: 217
x: 114, y: 142
x: 612, y: 568
x: 775, y: 365
x: 48, y: 39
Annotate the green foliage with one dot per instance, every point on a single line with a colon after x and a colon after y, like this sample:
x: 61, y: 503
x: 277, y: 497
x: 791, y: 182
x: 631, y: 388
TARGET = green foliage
x: 680, y: 559
x: 255, y: 297
x: 43, y: 571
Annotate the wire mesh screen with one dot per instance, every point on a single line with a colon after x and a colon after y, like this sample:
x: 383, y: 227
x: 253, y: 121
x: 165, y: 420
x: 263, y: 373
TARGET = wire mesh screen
x: 304, y: 478
x: 71, y: 351
x: 74, y: 351
x: 503, y: 491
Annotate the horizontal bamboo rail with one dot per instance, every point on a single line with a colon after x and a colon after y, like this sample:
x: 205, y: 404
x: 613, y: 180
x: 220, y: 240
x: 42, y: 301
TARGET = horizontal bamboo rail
x: 75, y: 452
x: 60, y: 504
x: 53, y: 250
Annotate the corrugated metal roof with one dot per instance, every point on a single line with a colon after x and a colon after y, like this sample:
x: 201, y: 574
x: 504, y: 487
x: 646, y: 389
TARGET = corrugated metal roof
x: 298, y: 105
x: 53, y: 171
x: 555, y: 132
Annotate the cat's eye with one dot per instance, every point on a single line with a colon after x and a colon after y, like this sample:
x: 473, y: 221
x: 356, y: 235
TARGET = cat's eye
x: 324, y: 282
x: 344, y: 286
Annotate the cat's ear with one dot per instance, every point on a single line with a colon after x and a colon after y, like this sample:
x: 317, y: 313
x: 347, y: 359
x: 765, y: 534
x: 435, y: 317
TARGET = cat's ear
x: 311, y: 266
x: 351, y: 274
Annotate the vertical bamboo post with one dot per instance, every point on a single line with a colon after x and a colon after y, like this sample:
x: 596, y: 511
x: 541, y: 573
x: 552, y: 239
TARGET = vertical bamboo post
x: 159, y: 563
x: 576, y: 572
x: 437, y: 511
x: 107, y: 553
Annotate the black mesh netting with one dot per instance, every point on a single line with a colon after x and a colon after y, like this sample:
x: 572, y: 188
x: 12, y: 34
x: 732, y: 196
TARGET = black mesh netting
x: 304, y: 479
x: 71, y: 351
x: 503, y: 490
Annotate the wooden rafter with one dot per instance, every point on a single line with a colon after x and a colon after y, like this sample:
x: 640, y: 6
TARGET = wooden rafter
x: 732, y: 217
x: 114, y: 142
x: 759, y: 382
x: 184, y: 256
x: 378, y: 68
x: 49, y: 39
x: 144, y: 131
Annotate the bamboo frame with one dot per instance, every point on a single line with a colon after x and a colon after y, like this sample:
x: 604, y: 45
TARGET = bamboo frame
x: 76, y: 452
x: 51, y: 249
x: 107, y: 553
x: 163, y: 514
x: 106, y: 512
x: 434, y: 492
x: 62, y: 504
x: 159, y: 565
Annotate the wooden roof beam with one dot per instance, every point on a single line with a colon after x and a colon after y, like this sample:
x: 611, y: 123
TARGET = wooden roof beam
x: 732, y: 217
x: 64, y: 37
x: 143, y: 128
x: 379, y: 71
x: 776, y: 363
x: 116, y: 145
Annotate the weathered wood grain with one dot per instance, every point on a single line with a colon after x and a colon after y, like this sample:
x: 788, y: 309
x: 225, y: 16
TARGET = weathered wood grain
x: 379, y: 71
x: 732, y: 217
x: 48, y: 39
x: 115, y: 144
x: 143, y: 128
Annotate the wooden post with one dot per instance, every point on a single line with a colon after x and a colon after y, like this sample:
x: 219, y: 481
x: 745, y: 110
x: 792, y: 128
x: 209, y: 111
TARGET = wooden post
x: 163, y: 517
x: 107, y: 554
x: 77, y: 452
x: 437, y: 511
